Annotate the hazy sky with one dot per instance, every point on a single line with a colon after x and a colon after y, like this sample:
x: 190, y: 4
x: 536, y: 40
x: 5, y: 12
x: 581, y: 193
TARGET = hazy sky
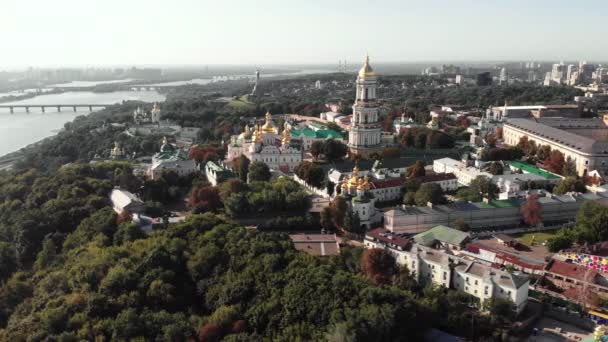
x: 86, y: 32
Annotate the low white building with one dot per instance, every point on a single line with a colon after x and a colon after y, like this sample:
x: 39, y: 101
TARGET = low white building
x: 443, y: 268
x: 126, y: 201
x: 464, y: 174
x: 511, y: 185
x: 447, y: 181
x: 216, y: 173
x: 485, y: 282
x: 171, y: 158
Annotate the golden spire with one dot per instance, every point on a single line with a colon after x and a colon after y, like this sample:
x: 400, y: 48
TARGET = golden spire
x: 366, y: 69
x: 286, y: 136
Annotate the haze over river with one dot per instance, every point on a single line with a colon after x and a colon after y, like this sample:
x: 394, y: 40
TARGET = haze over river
x: 20, y: 129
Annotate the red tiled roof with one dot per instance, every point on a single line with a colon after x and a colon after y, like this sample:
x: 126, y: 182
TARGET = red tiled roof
x: 573, y: 271
x: 387, y: 183
x: 386, y: 236
x: 510, y: 258
x: 435, y: 177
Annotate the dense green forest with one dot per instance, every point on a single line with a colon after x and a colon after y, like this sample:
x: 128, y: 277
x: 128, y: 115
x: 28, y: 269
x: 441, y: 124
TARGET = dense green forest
x: 72, y: 270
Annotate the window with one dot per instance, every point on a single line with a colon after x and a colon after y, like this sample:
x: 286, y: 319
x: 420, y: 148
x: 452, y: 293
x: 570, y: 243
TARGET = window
x: 445, y: 275
x: 475, y: 282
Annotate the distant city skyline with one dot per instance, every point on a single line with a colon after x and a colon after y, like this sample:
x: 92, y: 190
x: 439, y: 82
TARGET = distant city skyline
x: 270, y: 32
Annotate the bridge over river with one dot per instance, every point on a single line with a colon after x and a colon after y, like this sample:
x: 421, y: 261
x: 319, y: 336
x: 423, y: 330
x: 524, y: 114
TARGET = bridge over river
x: 43, y: 107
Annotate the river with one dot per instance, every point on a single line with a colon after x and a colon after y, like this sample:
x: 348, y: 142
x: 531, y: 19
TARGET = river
x: 20, y: 129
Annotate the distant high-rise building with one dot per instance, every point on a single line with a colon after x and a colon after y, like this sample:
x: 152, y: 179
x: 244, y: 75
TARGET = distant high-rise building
x: 586, y: 71
x: 558, y: 73
x: 569, y: 70
x: 484, y: 79
x: 504, y: 76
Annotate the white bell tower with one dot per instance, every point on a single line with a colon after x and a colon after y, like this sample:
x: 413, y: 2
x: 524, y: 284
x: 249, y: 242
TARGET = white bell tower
x: 365, y: 135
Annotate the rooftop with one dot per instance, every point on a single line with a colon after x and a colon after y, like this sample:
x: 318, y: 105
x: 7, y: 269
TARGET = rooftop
x: 533, y: 169
x: 442, y: 234
x: 316, y: 244
x: 570, y: 270
x: 215, y: 167
x: 319, y: 134
x: 510, y: 203
x: 435, y: 177
x: 387, y: 237
x: 559, y: 136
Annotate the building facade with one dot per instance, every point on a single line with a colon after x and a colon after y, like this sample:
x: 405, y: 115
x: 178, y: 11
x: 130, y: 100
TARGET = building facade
x: 444, y: 268
x: 216, y: 173
x: 263, y: 143
x: 493, y: 215
x: 584, y: 141
x: 171, y: 158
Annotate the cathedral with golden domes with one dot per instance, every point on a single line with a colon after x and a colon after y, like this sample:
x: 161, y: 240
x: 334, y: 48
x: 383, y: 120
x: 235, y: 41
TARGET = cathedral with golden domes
x: 264, y: 143
x: 365, y: 134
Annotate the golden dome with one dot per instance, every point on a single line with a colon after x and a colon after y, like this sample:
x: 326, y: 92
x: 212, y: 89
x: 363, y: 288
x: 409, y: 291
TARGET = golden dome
x: 117, y: 150
x: 269, y: 126
x: 363, y: 184
x: 256, y: 133
x: 366, y: 69
x: 286, y: 136
x: 247, y: 133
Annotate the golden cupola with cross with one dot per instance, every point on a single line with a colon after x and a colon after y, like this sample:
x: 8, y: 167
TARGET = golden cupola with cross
x: 363, y: 184
x: 366, y: 70
x: 269, y: 126
x: 352, y: 182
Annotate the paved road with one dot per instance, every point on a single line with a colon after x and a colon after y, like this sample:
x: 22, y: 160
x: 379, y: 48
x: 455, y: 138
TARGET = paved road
x: 575, y: 333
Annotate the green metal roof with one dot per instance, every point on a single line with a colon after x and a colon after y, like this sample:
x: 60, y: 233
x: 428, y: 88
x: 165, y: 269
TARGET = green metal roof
x: 441, y: 233
x: 215, y: 167
x: 498, y: 204
x: 533, y: 169
x: 320, y: 134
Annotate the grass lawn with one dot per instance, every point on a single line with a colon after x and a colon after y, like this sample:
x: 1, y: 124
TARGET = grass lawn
x: 241, y: 102
x: 539, y: 237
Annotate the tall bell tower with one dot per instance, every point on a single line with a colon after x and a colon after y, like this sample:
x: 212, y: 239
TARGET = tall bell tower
x: 365, y: 134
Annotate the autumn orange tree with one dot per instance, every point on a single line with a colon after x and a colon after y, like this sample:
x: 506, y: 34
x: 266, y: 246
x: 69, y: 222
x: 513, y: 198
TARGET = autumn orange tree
x: 204, y: 198
x: 202, y: 154
x: 530, y: 210
x: 556, y: 162
x: 378, y: 265
x: 123, y: 217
